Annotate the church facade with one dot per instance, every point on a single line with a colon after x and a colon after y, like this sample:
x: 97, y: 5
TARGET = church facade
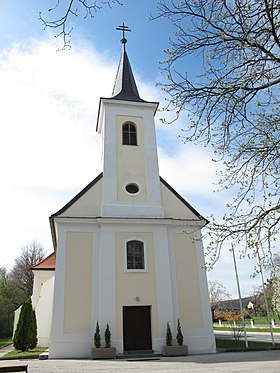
x: 128, y: 247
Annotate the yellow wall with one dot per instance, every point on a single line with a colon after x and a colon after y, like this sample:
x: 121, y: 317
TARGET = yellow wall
x: 187, y: 281
x: 130, y: 285
x: 173, y: 207
x: 131, y: 161
x: 78, y: 280
x: 88, y: 204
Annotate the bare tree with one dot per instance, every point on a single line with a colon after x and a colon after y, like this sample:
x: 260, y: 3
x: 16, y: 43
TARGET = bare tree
x: 233, y: 104
x: 62, y: 11
x: 217, y: 293
x: 21, y: 274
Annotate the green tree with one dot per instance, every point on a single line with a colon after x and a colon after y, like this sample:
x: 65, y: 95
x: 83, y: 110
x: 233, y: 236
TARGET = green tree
x: 26, y: 332
x: 16, y: 285
x: 6, y: 305
x: 11, y: 297
x: 233, y: 104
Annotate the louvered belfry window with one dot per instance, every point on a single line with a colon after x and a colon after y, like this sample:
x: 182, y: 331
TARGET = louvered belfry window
x: 129, y: 134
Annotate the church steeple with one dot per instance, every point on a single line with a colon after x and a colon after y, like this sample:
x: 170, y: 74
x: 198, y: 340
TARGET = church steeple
x: 125, y: 87
x: 131, y: 183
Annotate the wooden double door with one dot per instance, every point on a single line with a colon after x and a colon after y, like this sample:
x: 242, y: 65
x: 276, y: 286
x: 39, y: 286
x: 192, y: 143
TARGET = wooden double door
x: 137, y: 328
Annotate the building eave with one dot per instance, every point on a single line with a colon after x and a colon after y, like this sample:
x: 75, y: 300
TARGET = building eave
x: 131, y: 221
x: 105, y: 100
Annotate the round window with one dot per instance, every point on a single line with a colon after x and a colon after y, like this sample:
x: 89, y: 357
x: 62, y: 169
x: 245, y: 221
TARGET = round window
x: 132, y: 188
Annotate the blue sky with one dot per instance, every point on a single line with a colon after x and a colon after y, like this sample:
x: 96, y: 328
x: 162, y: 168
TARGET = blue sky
x: 49, y: 147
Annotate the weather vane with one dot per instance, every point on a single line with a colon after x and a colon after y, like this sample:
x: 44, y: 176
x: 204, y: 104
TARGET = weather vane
x: 123, y: 28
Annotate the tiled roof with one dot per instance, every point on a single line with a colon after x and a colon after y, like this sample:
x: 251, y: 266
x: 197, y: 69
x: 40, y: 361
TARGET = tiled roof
x: 47, y: 263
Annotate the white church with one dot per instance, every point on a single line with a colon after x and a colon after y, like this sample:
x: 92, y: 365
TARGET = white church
x: 127, y: 249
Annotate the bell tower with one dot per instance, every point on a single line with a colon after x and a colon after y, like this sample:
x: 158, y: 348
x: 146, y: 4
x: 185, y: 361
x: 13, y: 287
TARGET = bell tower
x: 131, y: 183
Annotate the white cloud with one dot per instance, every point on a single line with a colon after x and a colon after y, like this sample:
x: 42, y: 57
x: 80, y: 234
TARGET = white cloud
x: 49, y: 147
x: 190, y: 170
x: 49, y: 104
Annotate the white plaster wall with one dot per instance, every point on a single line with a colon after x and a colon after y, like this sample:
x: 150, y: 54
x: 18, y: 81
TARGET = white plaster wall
x: 67, y: 345
x: 40, y: 277
x: 43, y: 312
x: 16, y: 317
x: 209, y: 337
x: 163, y: 285
x: 111, y: 206
x: 199, y: 339
x: 104, y: 301
x: 106, y: 281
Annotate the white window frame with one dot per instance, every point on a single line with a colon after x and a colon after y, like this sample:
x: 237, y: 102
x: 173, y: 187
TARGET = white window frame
x: 132, y: 194
x: 145, y: 269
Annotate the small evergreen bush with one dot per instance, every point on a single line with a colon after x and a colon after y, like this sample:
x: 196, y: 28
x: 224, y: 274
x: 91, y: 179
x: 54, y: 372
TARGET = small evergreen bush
x: 179, y: 336
x: 26, y: 332
x: 168, y: 335
x: 97, y: 338
x: 107, y: 337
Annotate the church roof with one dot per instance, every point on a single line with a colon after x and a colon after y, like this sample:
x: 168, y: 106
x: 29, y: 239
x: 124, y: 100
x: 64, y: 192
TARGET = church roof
x: 125, y: 87
x: 47, y: 263
x: 89, y: 187
x: 100, y: 176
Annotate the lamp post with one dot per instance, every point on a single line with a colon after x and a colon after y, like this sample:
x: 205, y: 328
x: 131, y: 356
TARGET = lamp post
x: 239, y: 295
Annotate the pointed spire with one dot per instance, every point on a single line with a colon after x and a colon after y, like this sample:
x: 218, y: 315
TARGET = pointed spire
x: 125, y: 87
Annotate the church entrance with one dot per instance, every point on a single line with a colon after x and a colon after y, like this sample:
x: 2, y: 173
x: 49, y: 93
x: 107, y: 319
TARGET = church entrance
x: 137, y: 328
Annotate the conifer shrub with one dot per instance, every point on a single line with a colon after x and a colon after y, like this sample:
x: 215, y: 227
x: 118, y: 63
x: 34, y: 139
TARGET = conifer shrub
x: 179, y: 336
x: 168, y: 337
x: 25, y: 337
x: 107, y: 337
x: 97, y: 338
x: 33, y: 331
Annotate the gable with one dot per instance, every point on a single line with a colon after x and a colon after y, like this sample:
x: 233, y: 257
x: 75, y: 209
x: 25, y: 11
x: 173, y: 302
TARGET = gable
x: 175, y: 206
x: 87, y: 203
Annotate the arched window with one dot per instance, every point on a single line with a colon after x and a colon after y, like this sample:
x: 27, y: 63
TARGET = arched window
x: 135, y: 258
x: 129, y: 134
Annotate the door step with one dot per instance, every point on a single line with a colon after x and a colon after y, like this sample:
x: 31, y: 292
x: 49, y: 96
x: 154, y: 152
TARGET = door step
x: 139, y: 355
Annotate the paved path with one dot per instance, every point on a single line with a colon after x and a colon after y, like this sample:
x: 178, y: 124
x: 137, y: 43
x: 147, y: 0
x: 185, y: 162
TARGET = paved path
x: 235, y: 362
x: 5, y: 350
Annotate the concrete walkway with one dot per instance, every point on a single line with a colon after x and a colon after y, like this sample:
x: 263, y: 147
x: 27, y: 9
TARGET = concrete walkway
x: 5, y: 350
x: 230, y: 362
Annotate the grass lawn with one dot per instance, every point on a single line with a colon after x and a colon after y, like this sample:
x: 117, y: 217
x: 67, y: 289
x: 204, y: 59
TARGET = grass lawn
x: 34, y: 352
x: 5, y: 342
x: 232, y: 345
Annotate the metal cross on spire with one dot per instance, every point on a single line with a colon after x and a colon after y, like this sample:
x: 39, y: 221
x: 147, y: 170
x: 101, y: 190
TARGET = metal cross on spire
x: 123, y: 28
